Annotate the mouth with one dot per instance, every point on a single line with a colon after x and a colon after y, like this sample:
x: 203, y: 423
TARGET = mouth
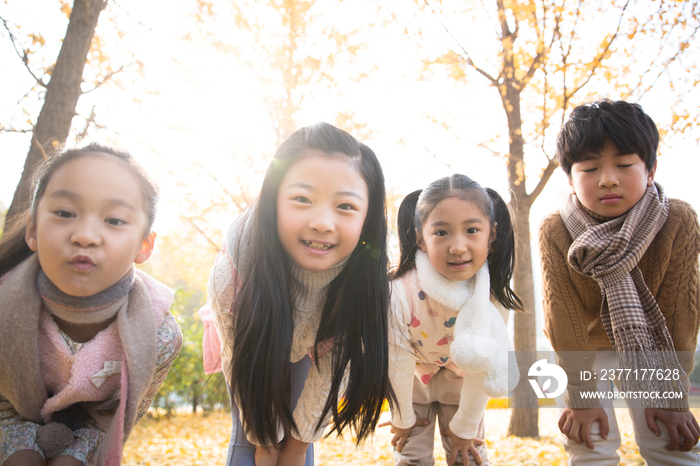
x: 459, y: 264
x: 610, y: 198
x: 317, y: 245
x: 82, y: 263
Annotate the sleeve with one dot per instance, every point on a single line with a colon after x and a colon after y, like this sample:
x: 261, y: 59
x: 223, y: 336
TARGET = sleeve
x: 563, y: 310
x: 168, y: 347
x: 15, y: 433
x: 313, y: 399
x: 217, y: 316
x: 472, y: 404
x: 678, y: 293
x: 402, y: 362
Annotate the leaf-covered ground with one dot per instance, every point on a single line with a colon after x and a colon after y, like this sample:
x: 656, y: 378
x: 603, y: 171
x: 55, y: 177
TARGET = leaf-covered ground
x: 199, y: 440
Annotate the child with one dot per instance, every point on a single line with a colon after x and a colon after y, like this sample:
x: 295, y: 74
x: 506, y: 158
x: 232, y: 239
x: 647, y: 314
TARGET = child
x: 457, y: 256
x: 620, y: 279
x: 304, y: 273
x: 86, y: 339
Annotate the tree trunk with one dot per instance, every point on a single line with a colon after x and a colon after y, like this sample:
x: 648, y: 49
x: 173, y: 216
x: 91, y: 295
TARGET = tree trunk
x: 62, y: 93
x: 524, y: 414
x: 524, y: 417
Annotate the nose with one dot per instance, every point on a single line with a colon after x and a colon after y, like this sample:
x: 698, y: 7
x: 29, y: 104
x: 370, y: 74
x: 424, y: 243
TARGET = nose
x: 458, y: 246
x: 322, y: 220
x: 86, y: 233
x: 608, y: 178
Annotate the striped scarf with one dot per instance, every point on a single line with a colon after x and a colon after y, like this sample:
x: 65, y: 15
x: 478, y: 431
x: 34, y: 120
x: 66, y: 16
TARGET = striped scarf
x: 609, y: 253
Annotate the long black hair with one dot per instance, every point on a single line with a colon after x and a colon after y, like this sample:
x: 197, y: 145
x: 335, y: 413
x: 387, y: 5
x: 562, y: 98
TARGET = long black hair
x: 354, y: 316
x: 14, y: 248
x: 416, y: 207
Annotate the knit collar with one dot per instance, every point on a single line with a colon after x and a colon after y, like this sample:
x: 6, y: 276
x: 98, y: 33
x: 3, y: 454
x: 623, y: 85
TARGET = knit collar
x: 313, y: 283
x: 93, y: 309
x: 447, y: 292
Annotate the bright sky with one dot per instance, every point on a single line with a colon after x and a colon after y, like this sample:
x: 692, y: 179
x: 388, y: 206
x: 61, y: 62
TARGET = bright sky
x: 196, y: 105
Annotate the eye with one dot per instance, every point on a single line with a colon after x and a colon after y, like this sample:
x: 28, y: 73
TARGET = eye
x: 589, y: 170
x: 440, y: 233
x: 63, y: 214
x: 347, y: 207
x: 472, y: 230
x: 302, y: 199
x: 625, y: 166
x: 115, y: 222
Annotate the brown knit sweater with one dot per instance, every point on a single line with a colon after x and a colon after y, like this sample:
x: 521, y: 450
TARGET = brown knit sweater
x: 572, y: 302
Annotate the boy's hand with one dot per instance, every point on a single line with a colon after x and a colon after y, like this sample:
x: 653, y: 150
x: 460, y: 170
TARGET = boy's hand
x: 293, y: 452
x: 682, y: 427
x: 401, y: 435
x: 266, y: 456
x: 576, y: 424
x: 463, y: 446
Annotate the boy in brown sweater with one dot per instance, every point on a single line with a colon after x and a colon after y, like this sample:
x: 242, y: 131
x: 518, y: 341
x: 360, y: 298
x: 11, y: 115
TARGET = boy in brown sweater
x: 620, y: 288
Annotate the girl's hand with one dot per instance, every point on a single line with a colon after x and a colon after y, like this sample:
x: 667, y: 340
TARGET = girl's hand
x: 65, y: 461
x: 576, y: 424
x: 401, y: 435
x: 266, y: 456
x: 682, y: 427
x: 293, y: 452
x: 463, y: 446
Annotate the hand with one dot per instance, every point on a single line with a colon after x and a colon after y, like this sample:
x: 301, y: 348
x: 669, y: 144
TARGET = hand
x: 401, y: 435
x: 682, y: 427
x: 24, y: 458
x: 293, y: 452
x: 576, y: 424
x: 463, y: 446
x: 65, y: 461
x: 266, y: 456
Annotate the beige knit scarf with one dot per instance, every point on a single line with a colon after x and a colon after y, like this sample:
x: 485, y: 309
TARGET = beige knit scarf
x: 22, y: 384
x: 609, y: 253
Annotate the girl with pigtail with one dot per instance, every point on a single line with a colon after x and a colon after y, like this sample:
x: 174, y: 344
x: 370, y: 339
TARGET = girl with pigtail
x: 450, y: 298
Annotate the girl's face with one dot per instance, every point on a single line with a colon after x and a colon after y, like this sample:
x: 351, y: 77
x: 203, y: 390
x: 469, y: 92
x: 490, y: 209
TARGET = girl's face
x: 321, y: 209
x: 90, y: 225
x: 456, y: 236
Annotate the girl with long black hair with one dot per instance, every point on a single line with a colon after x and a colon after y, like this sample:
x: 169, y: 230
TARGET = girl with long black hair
x: 302, y: 281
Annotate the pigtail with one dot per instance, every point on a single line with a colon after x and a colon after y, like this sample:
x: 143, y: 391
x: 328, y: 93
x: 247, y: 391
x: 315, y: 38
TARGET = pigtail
x: 408, y: 239
x: 501, y: 255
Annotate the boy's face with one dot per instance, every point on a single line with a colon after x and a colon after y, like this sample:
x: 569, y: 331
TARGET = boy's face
x: 610, y: 183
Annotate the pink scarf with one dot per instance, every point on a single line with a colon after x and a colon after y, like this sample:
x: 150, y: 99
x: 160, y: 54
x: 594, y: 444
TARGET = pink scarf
x: 20, y: 380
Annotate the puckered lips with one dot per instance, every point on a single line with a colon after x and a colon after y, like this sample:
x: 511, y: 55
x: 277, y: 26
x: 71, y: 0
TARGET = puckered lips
x: 82, y: 263
x: 459, y: 264
x: 319, y: 246
x: 610, y: 198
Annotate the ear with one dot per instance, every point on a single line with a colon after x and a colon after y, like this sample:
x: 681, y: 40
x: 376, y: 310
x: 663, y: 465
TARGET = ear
x: 146, y: 248
x: 30, y: 235
x: 571, y: 183
x: 651, y: 173
x: 492, y: 236
x: 420, y: 243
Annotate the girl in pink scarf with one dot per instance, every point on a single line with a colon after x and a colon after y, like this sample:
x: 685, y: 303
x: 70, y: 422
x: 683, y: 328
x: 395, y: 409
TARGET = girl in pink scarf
x: 86, y: 339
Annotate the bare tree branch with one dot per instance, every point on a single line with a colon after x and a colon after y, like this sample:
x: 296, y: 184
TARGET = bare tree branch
x: 109, y: 76
x: 465, y: 53
x: 200, y: 231
x: 23, y: 55
x: 602, y: 54
x: 546, y: 175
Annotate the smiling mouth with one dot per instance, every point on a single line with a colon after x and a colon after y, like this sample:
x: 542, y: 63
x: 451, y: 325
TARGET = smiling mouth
x: 458, y: 263
x: 315, y: 245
